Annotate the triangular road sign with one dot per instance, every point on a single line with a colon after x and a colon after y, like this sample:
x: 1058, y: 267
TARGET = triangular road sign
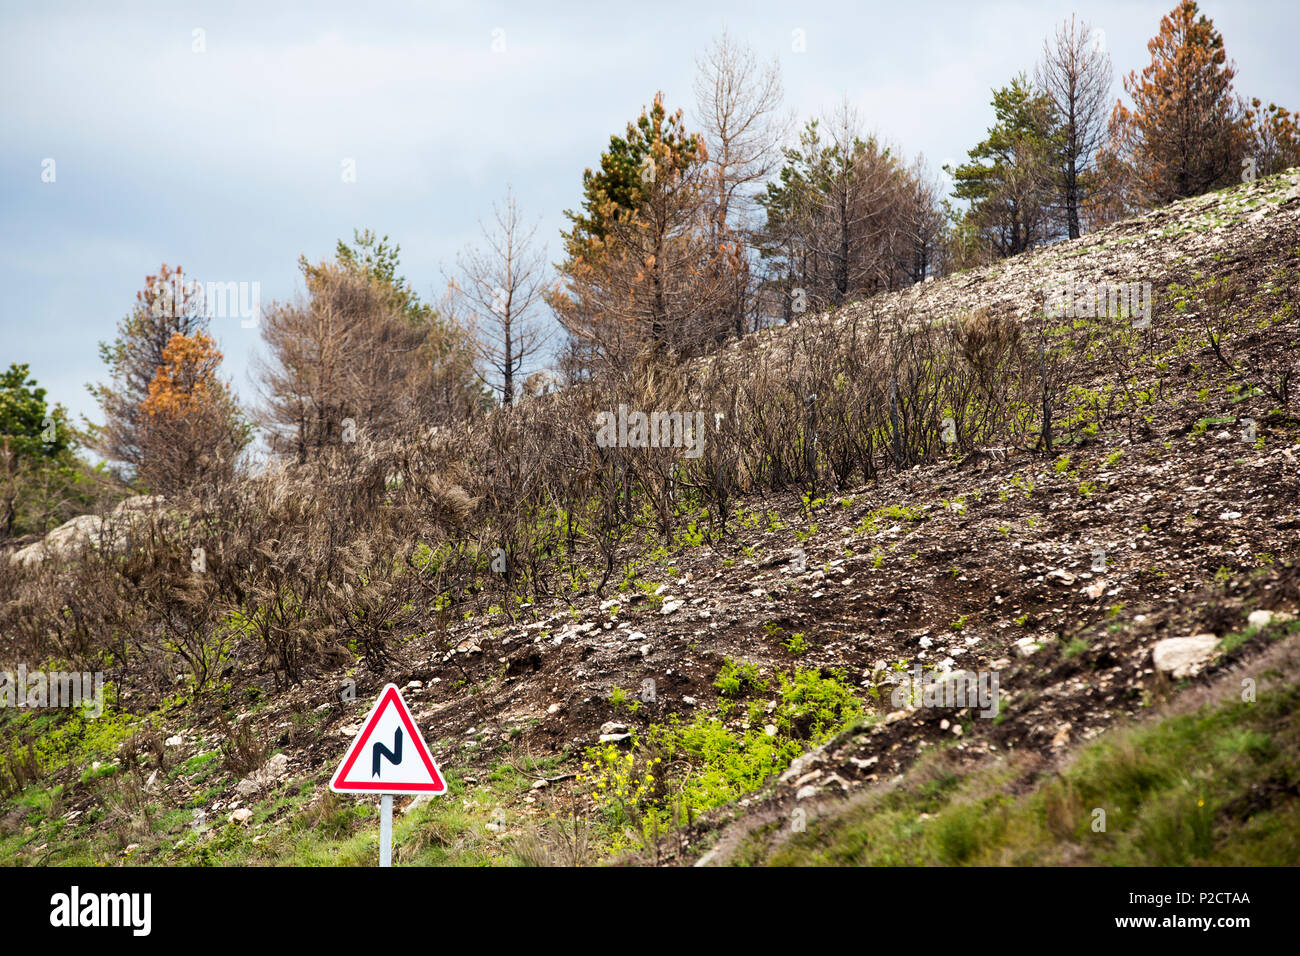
x: 389, y: 755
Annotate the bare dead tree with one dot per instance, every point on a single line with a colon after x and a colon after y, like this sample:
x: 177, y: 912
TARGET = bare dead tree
x: 738, y: 100
x: 502, y: 284
x: 1076, y: 74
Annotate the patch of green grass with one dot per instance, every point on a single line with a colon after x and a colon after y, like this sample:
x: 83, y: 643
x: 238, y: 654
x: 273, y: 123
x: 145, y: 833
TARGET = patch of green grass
x: 1214, y: 787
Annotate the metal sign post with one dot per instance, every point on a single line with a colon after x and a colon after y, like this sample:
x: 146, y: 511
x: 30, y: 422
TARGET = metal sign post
x: 386, y: 830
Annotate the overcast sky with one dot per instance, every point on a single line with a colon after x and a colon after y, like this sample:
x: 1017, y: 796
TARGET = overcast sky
x: 228, y: 162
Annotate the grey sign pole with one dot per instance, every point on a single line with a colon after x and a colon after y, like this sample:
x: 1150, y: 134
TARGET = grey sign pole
x: 386, y: 830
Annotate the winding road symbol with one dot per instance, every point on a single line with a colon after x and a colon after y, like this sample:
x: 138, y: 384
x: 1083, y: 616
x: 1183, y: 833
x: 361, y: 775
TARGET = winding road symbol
x: 380, y: 751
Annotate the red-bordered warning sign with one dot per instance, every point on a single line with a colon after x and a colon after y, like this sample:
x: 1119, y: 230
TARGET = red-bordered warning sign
x: 389, y: 755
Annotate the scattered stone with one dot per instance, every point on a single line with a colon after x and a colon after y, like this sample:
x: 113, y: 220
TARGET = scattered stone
x: 799, y: 766
x: 1265, y: 618
x: 242, y: 815
x: 264, y: 778
x: 1028, y: 646
x: 1182, y: 656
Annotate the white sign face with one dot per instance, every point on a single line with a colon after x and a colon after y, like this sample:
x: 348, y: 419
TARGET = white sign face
x: 389, y: 755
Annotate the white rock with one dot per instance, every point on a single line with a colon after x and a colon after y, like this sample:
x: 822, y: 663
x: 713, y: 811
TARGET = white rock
x: 87, y: 531
x: 1182, y: 656
x: 242, y: 815
x: 1260, y: 618
x: 1027, y: 646
x: 1265, y: 618
x: 274, y: 768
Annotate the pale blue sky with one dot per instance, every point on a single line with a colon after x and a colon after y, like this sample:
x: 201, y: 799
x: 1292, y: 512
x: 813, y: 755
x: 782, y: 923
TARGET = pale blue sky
x: 228, y: 162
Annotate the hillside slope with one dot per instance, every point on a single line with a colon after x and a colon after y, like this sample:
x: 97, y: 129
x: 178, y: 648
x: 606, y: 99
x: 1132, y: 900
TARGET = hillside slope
x: 712, y: 664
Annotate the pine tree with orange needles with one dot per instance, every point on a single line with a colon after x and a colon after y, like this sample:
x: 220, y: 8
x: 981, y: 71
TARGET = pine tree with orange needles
x: 1185, y: 134
x: 170, y: 302
x: 187, y: 379
x: 193, y: 430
